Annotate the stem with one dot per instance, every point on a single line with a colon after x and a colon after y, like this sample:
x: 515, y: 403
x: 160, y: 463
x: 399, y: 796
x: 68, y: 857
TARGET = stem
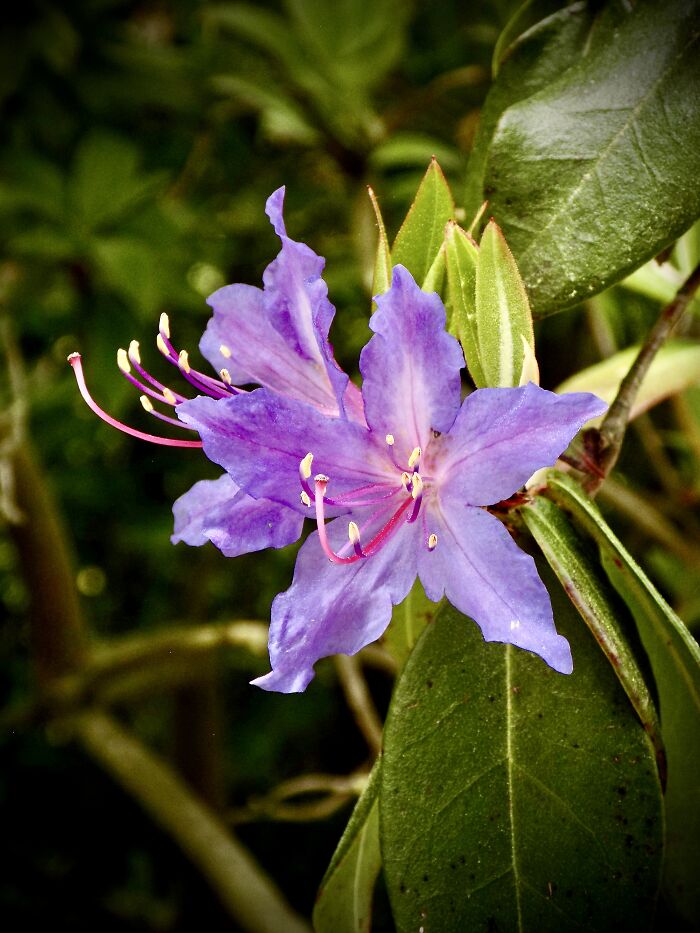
x: 244, y: 889
x: 612, y: 431
x: 359, y: 701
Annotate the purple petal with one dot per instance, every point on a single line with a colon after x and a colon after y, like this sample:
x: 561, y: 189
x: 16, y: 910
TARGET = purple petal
x: 278, y: 337
x: 261, y: 438
x: 410, y: 368
x: 486, y: 576
x: 296, y: 299
x: 332, y: 608
x: 220, y: 512
x: 501, y: 436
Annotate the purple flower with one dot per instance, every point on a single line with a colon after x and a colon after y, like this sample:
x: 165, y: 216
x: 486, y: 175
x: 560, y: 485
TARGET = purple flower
x: 406, y: 490
x: 404, y: 470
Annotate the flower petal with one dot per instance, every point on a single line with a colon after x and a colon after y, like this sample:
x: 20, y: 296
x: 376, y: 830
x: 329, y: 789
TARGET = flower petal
x: 410, y: 368
x: 220, y: 512
x: 332, y: 608
x: 279, y: 337
x: 486, y: 576
x: 261, y: 438
x: 501, y: 436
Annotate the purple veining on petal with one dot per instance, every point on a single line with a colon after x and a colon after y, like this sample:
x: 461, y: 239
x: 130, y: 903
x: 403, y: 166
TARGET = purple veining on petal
x: 411, y: 367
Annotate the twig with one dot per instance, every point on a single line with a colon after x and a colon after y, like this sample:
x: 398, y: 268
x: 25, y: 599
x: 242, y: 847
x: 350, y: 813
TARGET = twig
x: 338, y: 789
x: 612, y: 431
x: 250, y: 897
x: 359, y: 700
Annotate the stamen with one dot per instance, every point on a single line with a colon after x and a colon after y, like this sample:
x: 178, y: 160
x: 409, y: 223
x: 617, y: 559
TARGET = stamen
x: 162, y: 346
x: 134, y: 354
x: 169, y: 396
x: 164, y: 325
x: 305, y: 500
x: 146, y: 402
x: 382, y: 536
x: 417, y: 486
x: 406, y: 481
x: 226, y: 376
x: 123, y: 361
x: 305, y: 466
x: 354, y: 536
x: 390, y: 440
x: 183, y: 360
x: 432, y: 542
x: 76, y: 362
x: 225, y: 351
x: 414, y: 458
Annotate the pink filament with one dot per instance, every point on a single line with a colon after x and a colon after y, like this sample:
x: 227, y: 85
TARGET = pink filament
x: 377, y: 542
x: 200, y: 381
x: 75, y: 360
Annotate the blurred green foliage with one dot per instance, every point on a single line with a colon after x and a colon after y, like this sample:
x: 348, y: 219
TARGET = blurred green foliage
x: 140, y: 140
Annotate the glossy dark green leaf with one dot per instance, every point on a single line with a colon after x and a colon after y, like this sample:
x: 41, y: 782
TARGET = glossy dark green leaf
x: 344, y: 900
x: 503, y: 320
x: 422, y: 232
x: 596, y: 172
x: 674, y: 656
x: 537, y: 58
x: 513, y: 797
x: 585, y: 585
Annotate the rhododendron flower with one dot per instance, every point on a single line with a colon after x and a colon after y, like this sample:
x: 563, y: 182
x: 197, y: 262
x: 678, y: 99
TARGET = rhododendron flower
x: 407, y: 490
x: 403, y: 471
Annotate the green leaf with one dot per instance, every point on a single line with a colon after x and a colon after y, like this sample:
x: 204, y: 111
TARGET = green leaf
x: 435, y: 277
x: 408, y: 620
x: 381, y: 281
x: 535, y: 59
x: 580, y: 576
x: 675, y: 368
x: 344, y: 900
x: 674, y: 656
x: 596, y: 173
x: 524, y: 18
x: 462, y: 254
x: 422, y: 232
x: 503, y: 319
x: 513, y: 797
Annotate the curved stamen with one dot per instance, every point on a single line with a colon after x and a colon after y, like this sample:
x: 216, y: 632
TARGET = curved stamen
x: 166, y: 396
x: 354, y: 535
x: 432, y: 541
x: 416, y: 495
x: 377, y: 542
x: 200, y: 381
x: 135, y: 360
x: 352, y: 499
x: 76, y: 362
x: 414, y: 458
x: 147, y: 406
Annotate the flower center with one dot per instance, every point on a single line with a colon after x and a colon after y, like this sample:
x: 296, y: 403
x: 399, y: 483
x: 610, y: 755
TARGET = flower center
x: 400, y: 502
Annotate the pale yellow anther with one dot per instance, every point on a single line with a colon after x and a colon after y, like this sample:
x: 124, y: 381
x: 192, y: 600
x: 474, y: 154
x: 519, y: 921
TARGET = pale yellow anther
x: 406, y: 480
x: 123, y: 361
x: 160, y: 343
x: 146, y: 402
x: 353, y: 533
x: 432, y: 542
x: 169, y: 396
x: 183, y: 361
x: 225, y: 376
x: 304, y: 496
x: 164, y: 325
x: 134, y: 351
x: 414, y: 458
x: 390, y: 440
x: 305, y: 465
x: 225, y: 351
x: 417, y: 485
